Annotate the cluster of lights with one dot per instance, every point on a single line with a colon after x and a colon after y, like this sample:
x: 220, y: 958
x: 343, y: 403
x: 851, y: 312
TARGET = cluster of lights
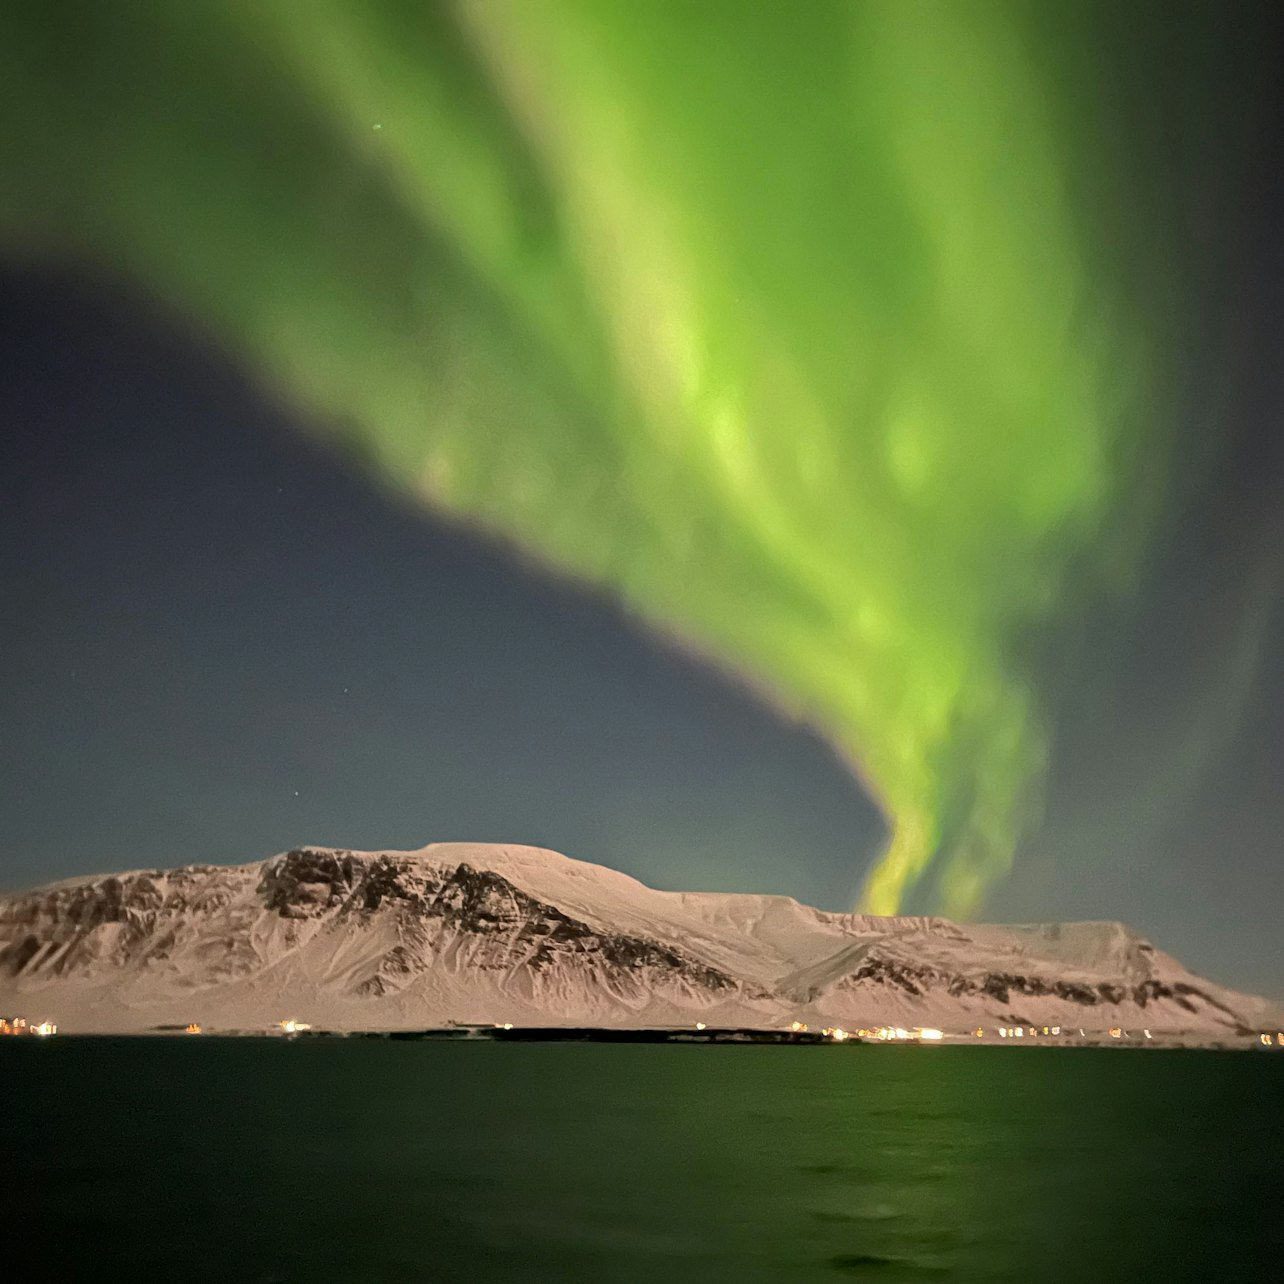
x: 840, y: 1035
x: 888, y: 1033
x: 1034, y: 1032
x: 885, y: 1032
x: 291, y: 1026
x: 19, y: 1025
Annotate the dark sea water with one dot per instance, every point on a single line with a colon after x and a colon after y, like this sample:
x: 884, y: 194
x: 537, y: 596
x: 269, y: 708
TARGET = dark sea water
x: 268, y: 1160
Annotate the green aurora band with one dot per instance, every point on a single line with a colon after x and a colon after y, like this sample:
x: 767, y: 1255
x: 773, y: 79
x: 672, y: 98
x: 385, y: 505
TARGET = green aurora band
x: 805, y: 330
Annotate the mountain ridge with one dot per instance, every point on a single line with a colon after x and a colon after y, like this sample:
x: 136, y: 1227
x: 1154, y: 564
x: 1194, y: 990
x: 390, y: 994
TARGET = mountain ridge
x: 493, y: 933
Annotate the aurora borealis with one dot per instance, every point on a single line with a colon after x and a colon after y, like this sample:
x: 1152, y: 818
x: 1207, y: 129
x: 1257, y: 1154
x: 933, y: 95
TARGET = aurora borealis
x: 845, y: 343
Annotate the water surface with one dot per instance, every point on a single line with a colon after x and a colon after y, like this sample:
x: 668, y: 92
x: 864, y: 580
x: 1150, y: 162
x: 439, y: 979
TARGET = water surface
x: 270, y: 1160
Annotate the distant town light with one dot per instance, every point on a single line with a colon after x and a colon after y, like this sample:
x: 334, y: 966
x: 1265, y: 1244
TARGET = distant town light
x: 930, y: 1034
x: 699, y: 1025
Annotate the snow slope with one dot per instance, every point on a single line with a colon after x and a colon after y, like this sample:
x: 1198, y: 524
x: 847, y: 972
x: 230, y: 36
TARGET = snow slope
x: 482, y: 933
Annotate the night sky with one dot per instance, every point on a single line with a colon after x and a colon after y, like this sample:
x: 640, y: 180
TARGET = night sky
x: 833, y: 451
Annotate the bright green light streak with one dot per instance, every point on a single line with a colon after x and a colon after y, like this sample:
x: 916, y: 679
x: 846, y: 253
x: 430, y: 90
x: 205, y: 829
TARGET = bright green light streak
x: 775, y: 320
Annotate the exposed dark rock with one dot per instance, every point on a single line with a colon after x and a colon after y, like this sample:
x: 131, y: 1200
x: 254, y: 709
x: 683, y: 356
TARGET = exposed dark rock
x: 18, y: 955
x: 888, y: 972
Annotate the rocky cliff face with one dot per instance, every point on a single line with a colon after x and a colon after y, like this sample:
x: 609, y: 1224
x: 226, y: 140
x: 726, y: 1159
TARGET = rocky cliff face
x: 477, y: 933
x: 200, y: 926
x: 478, y: 919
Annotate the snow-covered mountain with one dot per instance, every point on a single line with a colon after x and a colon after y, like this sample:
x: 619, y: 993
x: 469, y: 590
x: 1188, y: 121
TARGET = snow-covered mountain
x: 480, y: 933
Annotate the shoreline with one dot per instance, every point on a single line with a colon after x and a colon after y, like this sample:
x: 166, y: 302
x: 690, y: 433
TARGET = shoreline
x: 733, y: 1036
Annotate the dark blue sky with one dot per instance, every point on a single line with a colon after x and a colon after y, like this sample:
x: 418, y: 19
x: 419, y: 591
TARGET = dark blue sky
x: 221, y: 641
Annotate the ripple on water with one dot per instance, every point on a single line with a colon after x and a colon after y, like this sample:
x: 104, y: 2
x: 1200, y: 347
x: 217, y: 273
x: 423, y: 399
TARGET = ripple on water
x: 876, y: 1265
x: 870, y: 1213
